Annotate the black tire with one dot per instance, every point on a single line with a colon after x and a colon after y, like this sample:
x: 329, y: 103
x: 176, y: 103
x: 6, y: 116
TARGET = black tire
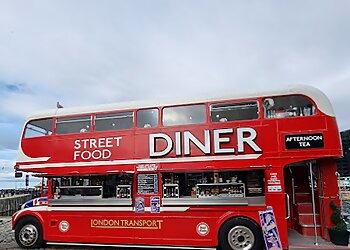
x: 29, y: 233
x: 240, y: 233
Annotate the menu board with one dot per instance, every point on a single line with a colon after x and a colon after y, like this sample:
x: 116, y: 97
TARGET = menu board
x: 147, y: 184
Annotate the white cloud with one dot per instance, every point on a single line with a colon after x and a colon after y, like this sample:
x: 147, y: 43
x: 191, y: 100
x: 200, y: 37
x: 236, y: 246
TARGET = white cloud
x: 88, y: 52
x: 120, y: 51
x: 6, y: 166
x: 7, y: 176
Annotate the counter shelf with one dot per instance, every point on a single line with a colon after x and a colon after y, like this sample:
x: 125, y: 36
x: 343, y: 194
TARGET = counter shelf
x: 91, y: 202
x: 212, y: 201
x: 221, y: 190
x: 87, y: 196
x: 80, y: 192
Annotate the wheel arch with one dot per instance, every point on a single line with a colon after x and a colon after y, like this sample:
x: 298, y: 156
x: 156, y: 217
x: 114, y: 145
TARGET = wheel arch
x: 241, y: 217
x: 251, y: 216
x: 28, y: 215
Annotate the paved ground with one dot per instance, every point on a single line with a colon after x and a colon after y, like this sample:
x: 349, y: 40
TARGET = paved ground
x: 5, y: 233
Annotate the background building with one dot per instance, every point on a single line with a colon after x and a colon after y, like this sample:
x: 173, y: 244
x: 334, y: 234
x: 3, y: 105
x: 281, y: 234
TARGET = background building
x: 343, y: 165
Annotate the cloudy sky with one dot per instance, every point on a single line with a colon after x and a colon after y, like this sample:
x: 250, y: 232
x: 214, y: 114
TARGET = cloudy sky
x: 93, y: 52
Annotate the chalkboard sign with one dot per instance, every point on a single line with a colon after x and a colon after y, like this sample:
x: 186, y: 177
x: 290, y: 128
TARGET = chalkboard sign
x: 147, y: 184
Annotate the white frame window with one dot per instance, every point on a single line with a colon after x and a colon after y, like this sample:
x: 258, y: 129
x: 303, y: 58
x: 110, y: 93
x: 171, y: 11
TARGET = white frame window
x: 234, y: 111
x: 184, y: 115
x: 71, y: 125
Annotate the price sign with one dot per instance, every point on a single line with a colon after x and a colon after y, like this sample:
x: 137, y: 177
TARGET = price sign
x: 147, y: 184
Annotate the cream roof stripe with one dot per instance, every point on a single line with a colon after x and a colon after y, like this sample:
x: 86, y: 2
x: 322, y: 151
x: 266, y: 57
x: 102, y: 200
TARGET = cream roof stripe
x: 315, y: 94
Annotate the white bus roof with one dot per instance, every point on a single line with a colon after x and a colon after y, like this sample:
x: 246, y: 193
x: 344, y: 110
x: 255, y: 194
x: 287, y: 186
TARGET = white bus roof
x: 315, y: 94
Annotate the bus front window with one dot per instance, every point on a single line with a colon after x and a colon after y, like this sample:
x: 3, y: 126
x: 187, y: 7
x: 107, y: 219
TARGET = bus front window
x: 38, y: 128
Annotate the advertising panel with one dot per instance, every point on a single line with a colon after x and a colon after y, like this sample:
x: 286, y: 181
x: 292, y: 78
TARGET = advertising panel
x: 270, y: 231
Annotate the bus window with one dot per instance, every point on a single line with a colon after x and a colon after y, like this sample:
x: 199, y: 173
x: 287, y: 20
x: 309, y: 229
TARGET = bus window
x: 288, y: 106
x: 38, y: 128
x: 184, y: 115
x: 111, y: 187
x: 114, y: 121
x: 220, y: 184
x: 147, y: 118
x: 70, y: 125
x: 226, y: 112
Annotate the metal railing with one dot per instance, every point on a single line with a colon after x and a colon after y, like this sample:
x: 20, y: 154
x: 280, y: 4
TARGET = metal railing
x: 9, y: 205
x: 12, y: 192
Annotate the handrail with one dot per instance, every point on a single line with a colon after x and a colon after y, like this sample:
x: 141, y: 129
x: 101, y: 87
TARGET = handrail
x: 288, y: 206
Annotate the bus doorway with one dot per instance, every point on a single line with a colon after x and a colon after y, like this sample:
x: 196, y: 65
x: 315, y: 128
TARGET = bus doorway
x: 298, y: 187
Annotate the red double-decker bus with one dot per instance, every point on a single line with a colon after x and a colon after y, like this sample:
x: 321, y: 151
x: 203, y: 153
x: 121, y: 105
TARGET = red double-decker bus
x: 190, y: 174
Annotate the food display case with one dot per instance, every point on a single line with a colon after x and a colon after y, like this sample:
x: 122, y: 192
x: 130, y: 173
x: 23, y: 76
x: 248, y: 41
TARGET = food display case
x: 123, y: 192
x: 82, y: 192
x: 171, y: 191
x: 221, y: 190
x: 211, y: 188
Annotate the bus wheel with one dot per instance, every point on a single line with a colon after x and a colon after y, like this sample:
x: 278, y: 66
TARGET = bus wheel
x: 29, y: 233
x: 240, y: 234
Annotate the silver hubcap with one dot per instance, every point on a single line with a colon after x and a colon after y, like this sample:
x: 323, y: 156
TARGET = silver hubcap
x: 28, y: 235
x: 241, y: 238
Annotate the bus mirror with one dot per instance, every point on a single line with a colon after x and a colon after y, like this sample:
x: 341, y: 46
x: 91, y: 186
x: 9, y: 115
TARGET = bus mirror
x: 18, y: 174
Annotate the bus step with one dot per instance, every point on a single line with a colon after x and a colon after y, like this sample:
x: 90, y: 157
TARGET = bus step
x: 309, y: 230
x: 308, y: 219
x: 302, y: 197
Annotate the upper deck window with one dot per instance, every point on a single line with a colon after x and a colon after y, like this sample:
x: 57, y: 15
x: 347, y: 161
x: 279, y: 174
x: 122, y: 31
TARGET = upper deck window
x: 234, y: 111
x: 71, y: 125
x: 288, y: 106
x: 38, y: 128
x: 184, y: 115
x: 114, y: 121
x: 147, y: 118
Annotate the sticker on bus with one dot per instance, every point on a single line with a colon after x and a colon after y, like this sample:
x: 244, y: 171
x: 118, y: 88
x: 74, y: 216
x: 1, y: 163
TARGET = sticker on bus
x: 274, y: 188
x: 202, y: 229
x: 139, y: 204
x: 155, y: 204
x: 63, y: 226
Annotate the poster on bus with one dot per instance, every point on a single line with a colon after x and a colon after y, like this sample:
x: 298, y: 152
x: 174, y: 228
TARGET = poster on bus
x: 139, y: 204
x: 155, y: 204
x: 269, y: 229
